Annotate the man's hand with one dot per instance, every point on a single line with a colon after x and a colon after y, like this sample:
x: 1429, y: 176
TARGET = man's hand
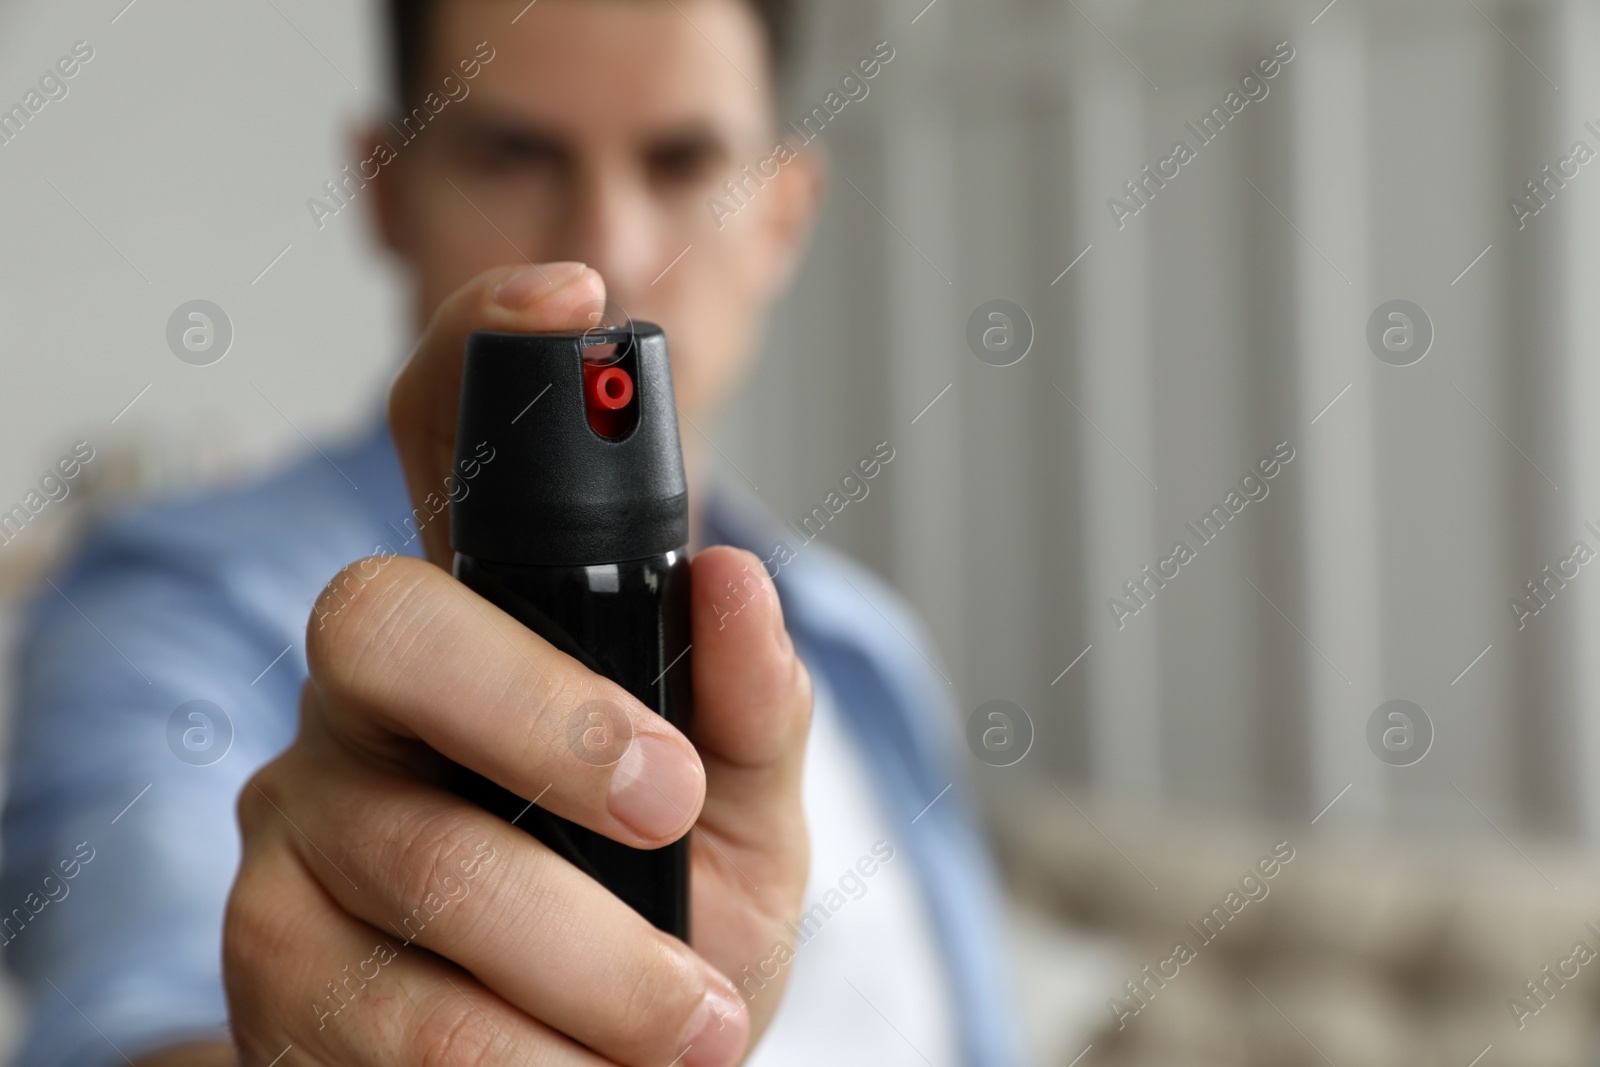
x: 379, y: 919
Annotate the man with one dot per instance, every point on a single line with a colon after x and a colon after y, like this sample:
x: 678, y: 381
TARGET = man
x: 373, y: 917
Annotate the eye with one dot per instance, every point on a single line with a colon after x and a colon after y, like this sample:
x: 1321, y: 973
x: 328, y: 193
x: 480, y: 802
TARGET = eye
x: 689, y: 161
x: 513, y: 153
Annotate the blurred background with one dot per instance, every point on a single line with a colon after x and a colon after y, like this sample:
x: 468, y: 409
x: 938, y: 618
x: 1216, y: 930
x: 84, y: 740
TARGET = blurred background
x: 1419, y: 546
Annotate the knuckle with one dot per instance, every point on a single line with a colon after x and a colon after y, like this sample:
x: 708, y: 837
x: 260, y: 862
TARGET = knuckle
x: 551, y: 703
x: 253, y: 806
x: 367, y: 612
x: 547, y: 705
x: 254, y: 930
x: 450, y: 1032
x: 517, y: 896
x: 425, y: 857
x: 659, y: 1003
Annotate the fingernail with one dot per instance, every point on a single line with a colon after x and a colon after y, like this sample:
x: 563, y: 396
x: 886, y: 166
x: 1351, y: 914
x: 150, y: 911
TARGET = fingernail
x: 656, y: 787
x: 780, y: 629
x: 719, y: 1031
x: 520, y: 288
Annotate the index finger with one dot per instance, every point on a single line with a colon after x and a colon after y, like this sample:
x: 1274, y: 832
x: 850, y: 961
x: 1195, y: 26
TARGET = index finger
x: 414, y: 654
x: 424, y: 399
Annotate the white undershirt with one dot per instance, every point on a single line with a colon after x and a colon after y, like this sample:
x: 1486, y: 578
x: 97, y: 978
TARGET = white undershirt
x: 873, y: 934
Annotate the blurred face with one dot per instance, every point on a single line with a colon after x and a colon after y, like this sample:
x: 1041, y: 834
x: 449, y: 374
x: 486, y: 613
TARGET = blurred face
x: 598, y: 132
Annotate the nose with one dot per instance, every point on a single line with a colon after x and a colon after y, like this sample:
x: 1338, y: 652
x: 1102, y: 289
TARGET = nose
x: 614, y: 229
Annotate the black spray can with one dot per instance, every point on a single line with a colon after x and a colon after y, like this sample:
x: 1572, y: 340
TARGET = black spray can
x: 579, y: 529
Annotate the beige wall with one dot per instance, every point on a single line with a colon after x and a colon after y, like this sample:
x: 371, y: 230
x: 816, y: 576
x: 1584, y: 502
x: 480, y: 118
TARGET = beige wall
x: 1222, y: 319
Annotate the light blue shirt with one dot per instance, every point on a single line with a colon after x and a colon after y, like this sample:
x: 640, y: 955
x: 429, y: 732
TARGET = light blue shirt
x: 206, y: 599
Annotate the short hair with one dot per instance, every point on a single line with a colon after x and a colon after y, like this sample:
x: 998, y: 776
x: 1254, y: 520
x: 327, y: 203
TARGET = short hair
x: 408, y: 24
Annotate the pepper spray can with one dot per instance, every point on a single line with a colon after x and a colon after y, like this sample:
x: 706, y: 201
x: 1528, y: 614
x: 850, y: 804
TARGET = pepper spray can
x: 579, y: 529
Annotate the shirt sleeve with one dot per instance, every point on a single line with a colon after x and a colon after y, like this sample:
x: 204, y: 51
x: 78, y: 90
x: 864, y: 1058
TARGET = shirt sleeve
x: 119, y: 832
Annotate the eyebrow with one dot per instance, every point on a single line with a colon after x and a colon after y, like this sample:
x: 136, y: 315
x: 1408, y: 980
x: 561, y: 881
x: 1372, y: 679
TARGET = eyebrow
x: 500, y: 124
x: 497, y: 122
x: 693, y: 134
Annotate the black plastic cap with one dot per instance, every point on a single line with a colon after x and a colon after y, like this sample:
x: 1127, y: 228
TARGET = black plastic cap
x: 556, y: 492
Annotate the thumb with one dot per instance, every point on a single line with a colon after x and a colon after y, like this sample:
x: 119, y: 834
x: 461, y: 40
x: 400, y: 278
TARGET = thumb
x: 752, y: 713
x: 425, y: 397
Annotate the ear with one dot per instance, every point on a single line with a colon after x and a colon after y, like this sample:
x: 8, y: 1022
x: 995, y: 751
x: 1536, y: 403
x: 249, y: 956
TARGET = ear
x: 791, y: 214
x: 385, y: 207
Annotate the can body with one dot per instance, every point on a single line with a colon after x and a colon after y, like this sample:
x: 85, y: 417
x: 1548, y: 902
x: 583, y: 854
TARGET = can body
x: 628, y: 621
